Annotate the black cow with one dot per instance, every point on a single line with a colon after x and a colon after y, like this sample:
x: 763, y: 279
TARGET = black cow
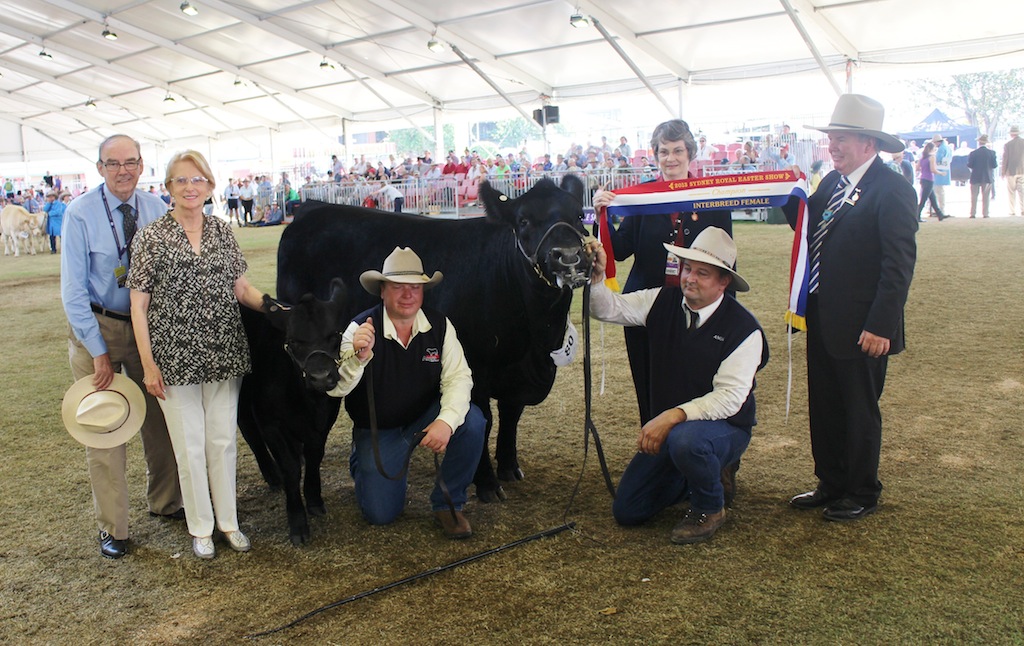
x: 507, y: 287
x: 285, y: 422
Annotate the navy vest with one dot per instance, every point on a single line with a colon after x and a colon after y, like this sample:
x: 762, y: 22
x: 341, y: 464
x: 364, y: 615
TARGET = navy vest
x: 406, y: 381
x: 684, y: 362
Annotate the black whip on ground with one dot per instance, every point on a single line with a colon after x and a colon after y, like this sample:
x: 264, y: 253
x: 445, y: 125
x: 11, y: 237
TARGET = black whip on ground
x: 414, y: 577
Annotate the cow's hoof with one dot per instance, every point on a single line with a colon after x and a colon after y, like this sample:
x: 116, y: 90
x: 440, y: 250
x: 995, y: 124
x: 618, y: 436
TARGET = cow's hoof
x: 316, y: 510
x: 299, y: 539
x: 491, y: 494
x: 511, y: 475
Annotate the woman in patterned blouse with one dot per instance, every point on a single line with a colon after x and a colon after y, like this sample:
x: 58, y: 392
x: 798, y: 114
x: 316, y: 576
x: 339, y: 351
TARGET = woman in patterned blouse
x: 187, y: 277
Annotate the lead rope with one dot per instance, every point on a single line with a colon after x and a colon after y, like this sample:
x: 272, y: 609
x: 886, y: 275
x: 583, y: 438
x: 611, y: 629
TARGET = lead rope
x: 375, y: 443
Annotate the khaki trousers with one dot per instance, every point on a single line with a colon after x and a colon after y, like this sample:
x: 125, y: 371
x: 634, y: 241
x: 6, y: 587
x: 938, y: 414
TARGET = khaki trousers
x: 1015, y: 191
x: 107, y: 466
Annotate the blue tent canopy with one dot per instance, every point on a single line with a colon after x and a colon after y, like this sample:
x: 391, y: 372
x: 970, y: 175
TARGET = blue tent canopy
x: 937, y: 123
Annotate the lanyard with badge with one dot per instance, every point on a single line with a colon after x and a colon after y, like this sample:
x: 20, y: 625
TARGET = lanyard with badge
x: 672, y: 263
x: 121, y: 271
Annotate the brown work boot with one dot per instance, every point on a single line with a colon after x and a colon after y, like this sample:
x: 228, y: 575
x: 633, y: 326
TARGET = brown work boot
x: 697, y: 526
x: 454, y: 527
x: 729, y: 482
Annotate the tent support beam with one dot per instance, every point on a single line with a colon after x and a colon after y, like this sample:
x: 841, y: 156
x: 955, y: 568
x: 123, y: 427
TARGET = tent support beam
x: 494, y: 86
x: 811, y: 46
x: 633, y: 66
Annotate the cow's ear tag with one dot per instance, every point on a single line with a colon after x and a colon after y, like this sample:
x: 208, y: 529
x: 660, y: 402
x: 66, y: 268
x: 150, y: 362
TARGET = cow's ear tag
x: 503, y: 198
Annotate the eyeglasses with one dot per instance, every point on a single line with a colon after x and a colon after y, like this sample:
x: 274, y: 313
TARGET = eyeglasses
x: 131, y: 164
x: 198, y: 180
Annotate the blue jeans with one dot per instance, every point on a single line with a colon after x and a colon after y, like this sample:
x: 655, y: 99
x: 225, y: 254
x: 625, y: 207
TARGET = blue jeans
x: 382, y: 500
x: 689, y: 464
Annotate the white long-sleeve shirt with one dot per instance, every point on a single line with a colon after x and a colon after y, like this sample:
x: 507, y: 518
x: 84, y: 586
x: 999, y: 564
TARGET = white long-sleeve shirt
x: 735, y: 376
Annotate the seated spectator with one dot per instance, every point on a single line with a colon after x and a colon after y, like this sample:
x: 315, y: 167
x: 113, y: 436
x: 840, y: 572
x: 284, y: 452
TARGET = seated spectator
x: 273, y: 216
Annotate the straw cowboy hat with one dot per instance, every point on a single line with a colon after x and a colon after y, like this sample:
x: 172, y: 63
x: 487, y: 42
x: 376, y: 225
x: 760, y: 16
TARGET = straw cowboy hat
x: 713, y: 246
x: 401, y: 266
x: 103, y: 419
x: 863, y: 115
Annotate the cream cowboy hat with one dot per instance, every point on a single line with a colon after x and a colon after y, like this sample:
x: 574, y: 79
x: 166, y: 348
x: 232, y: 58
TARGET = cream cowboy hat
x: 103, y: 419
x: 713, y: 246
x: 863, y: 115
x: 401, y: 266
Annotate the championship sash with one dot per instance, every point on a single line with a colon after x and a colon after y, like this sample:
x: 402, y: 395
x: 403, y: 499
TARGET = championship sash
x: 720, y: 192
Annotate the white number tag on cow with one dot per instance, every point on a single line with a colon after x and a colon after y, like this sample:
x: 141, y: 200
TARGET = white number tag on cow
x: 564, y: 355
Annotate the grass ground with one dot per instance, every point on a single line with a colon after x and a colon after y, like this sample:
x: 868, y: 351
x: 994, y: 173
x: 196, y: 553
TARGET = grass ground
x: 942, y: 562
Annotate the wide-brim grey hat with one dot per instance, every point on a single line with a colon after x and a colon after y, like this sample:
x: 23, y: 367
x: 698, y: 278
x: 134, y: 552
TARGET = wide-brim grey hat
x: 713, y: 246
x: 401, y: 266
x: 863, y: 115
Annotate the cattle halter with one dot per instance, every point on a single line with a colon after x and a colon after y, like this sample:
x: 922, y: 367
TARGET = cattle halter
x: 577, y: 278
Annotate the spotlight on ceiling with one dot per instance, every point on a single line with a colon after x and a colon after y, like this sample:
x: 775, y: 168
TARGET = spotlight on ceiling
x: 326, y: 65
x: 188, y: 9
x: 90, y: 104
x: 578, y: 20
x: 109, y: 35
x: 168, y: 98
x: 435, y: 45
x: 238, y: 81
x: 44, y: 54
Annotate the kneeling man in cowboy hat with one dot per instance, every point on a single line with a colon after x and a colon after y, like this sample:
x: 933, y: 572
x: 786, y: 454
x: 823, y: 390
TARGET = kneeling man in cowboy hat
x: 419, y: 380
x: 705, y: 349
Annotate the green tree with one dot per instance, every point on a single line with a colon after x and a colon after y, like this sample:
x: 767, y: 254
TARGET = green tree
x: 512, y: 133
x: 987, y: 99
x: 414, y: 141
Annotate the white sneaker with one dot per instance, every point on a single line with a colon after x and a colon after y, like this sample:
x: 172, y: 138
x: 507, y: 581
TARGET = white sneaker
x: 238, y: 541
x: 202, y: 546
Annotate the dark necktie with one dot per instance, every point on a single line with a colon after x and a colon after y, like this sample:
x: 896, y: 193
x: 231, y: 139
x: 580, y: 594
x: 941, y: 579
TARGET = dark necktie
x: 130, y: 222
x: 819, y: 235
x: 694, y: 318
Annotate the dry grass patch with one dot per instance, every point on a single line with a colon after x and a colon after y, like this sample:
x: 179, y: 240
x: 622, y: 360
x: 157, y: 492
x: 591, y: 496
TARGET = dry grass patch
x: 941, y: 563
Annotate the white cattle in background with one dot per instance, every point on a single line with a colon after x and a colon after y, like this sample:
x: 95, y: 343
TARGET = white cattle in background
x: 22, y: 229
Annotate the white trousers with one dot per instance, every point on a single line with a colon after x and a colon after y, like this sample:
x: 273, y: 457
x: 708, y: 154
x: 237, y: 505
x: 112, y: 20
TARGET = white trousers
x: 202, y: 420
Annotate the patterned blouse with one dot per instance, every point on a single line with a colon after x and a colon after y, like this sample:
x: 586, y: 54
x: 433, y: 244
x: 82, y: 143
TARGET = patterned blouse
x: 194, y: 323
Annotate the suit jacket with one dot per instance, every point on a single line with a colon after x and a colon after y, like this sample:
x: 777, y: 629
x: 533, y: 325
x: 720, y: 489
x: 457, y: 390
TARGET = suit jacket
x: 982, y: 161
x: 867, y: 259
x: 1013, y: 157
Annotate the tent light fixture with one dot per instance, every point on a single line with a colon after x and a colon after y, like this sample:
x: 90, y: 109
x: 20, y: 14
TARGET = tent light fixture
x: 188, y: 9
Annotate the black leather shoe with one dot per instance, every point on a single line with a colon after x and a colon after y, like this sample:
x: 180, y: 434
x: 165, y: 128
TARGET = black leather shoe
x: 846, y: 509
x: 177, y: 515
x: 111, y: 547
x: 812, y: 500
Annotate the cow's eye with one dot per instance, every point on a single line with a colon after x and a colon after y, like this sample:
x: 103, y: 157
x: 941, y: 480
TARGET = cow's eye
x: 524, y: 222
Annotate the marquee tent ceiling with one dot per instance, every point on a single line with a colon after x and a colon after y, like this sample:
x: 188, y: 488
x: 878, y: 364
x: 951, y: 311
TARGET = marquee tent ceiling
x: 275, y: 64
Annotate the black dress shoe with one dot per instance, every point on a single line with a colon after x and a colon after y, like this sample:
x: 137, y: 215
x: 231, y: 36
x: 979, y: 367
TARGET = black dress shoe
x: 812, y: 499
x: 846, y: 509
x: 177, y: 515
x: 111, y: 547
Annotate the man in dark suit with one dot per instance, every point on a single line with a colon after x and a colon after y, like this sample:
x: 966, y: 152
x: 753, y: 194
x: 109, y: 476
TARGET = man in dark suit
x: 982, y: 162
x: 861, y: 249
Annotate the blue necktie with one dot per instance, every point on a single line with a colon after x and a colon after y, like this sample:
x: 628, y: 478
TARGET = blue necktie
x: 129, y: 225
x: 819, y: 235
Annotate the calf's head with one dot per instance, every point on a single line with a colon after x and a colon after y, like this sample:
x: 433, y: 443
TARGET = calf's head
x: 548, y: 225
x: 312, y: 330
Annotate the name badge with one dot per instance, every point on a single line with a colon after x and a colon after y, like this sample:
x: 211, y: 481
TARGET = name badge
x: 121, y: 275
x: 672, y: 265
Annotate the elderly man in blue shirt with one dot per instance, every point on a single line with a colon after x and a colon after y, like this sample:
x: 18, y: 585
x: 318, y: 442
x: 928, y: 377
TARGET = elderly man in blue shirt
x: 98, y: 229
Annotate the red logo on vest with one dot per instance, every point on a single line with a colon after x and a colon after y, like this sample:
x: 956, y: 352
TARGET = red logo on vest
x: 431, y: 355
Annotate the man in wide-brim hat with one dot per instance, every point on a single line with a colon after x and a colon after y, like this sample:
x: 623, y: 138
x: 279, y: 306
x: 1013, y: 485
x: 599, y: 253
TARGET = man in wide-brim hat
x: 861, y: 251
x: 705, y: 349
x: 418, y: 382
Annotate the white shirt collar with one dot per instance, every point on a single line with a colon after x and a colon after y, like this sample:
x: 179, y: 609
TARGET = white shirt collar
x: 419, y: 325
x: 704, y: 313
x: 858, y: 174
